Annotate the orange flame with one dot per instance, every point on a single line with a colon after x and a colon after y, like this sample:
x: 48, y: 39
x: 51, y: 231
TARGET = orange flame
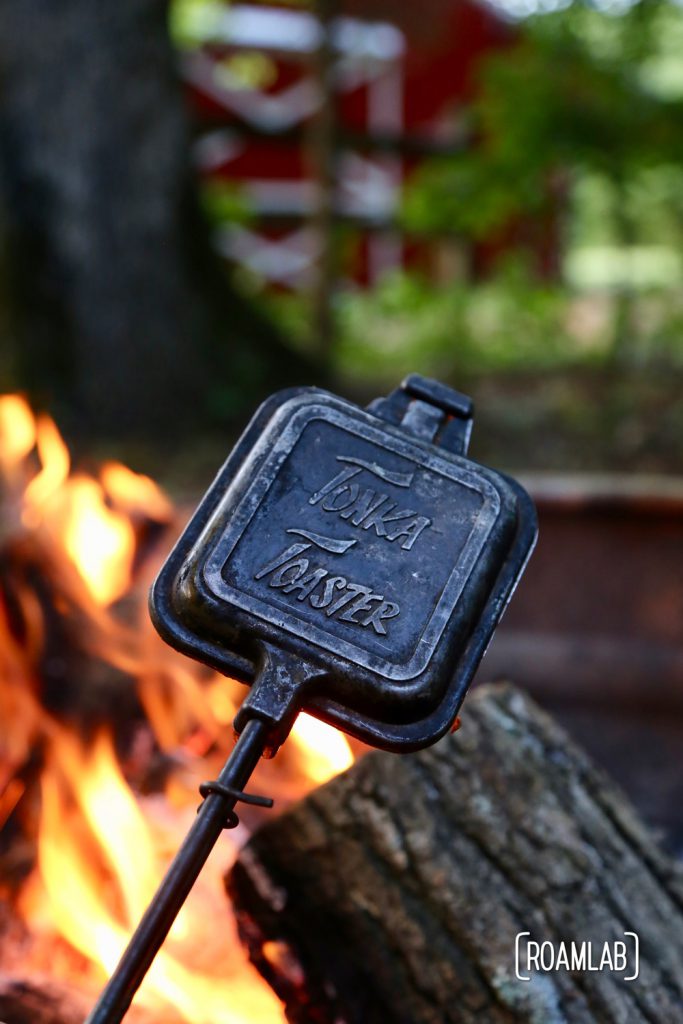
x: 100, y: 863
x: 324, y: 751
x: 102, y: 848
x: 55, y: 465
x: 99, y: 542
x: 17, y: 431
x: 134, y: 492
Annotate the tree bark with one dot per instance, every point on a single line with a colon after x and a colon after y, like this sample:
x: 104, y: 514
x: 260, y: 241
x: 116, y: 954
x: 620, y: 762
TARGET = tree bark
x: 323, y: 146
x: 31, y: 1002
x: 394, y: 893
x: 120, y: 311
x: 43, y: 1001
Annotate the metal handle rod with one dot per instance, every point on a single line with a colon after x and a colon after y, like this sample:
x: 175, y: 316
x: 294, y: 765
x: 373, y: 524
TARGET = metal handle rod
x: 182, y: 873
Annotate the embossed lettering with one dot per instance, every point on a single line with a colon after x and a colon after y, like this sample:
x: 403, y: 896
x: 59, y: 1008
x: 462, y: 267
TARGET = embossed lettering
x: 340, y: 497
x: 352, y: 590
x: 334, y: 583
x: 306, y: 584
x: 334, y: 595
x: 387, y: 610
x: 340, y: 478
x: 361, y: 604
x: 283, y: 575
x: 410, y: 530
x: 371, y: 509
x: 291, y: 552
x: 367, y: 503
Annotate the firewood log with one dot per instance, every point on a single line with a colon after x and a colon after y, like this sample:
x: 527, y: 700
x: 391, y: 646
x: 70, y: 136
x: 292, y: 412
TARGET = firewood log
x: 24, y: 1001
x: 394, y: 894
x: 39, y: 1000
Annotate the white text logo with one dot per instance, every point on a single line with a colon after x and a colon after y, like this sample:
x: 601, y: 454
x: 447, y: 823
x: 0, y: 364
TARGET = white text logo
x: 621, y: 956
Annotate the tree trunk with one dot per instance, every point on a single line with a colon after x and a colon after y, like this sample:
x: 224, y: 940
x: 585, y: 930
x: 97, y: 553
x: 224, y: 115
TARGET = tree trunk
x: 119, y: 308
x: 394, y: 893
x: 323, y: 145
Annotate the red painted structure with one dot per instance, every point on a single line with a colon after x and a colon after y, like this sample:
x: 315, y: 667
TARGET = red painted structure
x: 400, y: 95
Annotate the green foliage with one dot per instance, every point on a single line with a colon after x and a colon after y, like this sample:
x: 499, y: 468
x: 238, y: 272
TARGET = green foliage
x: 405, y: 324
x: 193, y: 21
x: 577, y: 94
x: 583, y: 114
x: 510, y: 323
x: 225, y: 202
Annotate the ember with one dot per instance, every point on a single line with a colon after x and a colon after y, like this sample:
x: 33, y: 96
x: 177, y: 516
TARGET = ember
x: 76, y: 557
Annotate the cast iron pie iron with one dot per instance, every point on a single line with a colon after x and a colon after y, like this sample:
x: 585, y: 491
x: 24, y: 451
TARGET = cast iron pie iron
x: 349, y: 562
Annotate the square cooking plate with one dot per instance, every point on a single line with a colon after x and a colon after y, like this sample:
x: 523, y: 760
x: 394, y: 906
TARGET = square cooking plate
x: 360, y: 550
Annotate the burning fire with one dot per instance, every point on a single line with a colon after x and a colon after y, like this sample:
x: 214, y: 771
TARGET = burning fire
x: 76, y: 555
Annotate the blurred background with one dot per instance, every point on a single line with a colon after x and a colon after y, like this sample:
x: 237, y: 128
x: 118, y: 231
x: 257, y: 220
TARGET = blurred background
x: 204, y: 201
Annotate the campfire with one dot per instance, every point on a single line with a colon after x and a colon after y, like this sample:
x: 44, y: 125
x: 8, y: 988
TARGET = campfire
x: 106, y: 736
